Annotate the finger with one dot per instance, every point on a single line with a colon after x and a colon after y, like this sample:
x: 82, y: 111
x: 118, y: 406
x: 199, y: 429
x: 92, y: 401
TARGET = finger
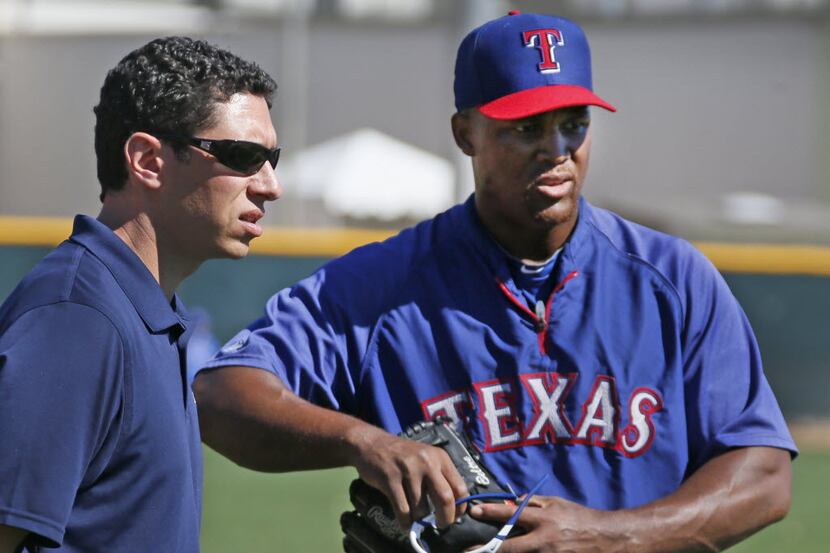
x: 499, y: 512
x: 443, y: 500
x: 457, y: 485
x: 400, y: 504
x: 418, y: 498
x: 535, y: 501
x: 421, y: 491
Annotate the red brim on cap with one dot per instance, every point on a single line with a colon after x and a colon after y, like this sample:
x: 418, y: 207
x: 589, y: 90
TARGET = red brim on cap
x: 541, y: 99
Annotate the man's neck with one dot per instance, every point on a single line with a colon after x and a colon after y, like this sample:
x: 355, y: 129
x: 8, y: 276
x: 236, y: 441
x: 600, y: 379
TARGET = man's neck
x: 530, y: 245
x: 137, y: 231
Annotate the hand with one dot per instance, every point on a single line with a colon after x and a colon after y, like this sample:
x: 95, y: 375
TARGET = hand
x: 411, y: 475
x: 553, y: 524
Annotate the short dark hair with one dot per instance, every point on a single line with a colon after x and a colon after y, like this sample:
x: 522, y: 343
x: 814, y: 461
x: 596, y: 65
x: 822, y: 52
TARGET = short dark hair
x: 168, y: 86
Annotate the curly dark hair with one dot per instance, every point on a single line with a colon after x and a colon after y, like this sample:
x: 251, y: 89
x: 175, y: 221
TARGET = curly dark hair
x: 168, y: 86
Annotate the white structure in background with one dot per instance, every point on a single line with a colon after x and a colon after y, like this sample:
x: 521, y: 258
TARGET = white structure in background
x: 753, y: 208
x: 84, y: 17
x: 351, y: 9
x: 369, y: 175
x: 391, y: 9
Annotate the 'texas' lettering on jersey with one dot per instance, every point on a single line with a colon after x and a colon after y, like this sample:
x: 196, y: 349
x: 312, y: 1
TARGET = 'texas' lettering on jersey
x: 598, y: 425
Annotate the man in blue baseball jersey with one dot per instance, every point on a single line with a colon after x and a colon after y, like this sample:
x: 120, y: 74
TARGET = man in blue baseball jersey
x: 565, y: 340
x: 100, y: 441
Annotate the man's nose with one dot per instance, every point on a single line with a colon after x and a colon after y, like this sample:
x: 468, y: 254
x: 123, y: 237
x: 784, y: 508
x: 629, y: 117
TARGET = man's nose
x: 554, y: 145
x: 266, y: 184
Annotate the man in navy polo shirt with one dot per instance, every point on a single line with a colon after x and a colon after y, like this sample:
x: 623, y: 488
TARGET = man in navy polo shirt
x: 568, y: 343
x: 100, y: 442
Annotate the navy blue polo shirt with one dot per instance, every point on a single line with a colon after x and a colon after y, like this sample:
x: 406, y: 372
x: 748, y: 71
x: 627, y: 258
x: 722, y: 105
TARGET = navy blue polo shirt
x: 99, y: 438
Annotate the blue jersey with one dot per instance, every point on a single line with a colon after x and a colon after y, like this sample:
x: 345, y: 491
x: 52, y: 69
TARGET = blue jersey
x: 637, y: 368
x: 100, y: 443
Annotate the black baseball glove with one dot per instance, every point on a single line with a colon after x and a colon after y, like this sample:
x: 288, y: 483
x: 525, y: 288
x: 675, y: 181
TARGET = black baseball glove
x: 372, y: 528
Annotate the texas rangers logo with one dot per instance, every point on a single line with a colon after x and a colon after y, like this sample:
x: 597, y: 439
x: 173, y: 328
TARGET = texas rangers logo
x: 546, y: 40
x: 602, y: 420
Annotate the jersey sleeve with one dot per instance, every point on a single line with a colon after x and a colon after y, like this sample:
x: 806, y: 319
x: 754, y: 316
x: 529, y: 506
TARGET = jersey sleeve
x: 313, y: 337
x: 729, y: 402
x: 60, y: 398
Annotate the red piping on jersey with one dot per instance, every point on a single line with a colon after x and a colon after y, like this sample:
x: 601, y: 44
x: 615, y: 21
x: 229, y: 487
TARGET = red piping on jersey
x: 541, y: 324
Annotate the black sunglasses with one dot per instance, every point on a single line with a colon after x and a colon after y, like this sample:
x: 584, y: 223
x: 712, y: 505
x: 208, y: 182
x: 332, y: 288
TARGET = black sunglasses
x: 239, y: 155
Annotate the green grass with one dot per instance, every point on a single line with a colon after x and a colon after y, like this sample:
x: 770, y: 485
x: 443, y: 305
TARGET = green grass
x: 254, y: 512
x: 806, y: 528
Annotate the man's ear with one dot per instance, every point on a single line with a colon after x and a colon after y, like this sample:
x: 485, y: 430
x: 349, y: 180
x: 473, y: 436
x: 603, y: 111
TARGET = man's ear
x: 142, y: 152
x: 461, y: 131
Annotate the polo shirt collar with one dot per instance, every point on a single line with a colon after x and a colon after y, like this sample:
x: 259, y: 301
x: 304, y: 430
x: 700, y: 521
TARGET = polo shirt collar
x: 132, y: 275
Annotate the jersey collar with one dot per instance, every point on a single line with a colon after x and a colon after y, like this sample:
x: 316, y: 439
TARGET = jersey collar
x: 132, y: 276
x: 572, y: 256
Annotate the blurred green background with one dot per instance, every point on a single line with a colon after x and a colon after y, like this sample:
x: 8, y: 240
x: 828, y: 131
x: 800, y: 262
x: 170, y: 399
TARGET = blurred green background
x: 273, y: 513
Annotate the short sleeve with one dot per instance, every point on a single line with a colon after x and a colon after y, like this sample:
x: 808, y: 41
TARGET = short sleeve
x: 61, y: 379
x: 308, y: 338
x: 729, y: 402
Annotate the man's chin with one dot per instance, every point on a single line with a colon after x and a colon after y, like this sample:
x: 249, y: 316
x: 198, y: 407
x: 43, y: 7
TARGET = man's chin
x: 234, y: 249
x: 559, y: 213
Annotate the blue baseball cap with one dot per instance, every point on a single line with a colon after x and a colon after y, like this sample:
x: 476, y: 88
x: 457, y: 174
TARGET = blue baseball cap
x: 522, y: 64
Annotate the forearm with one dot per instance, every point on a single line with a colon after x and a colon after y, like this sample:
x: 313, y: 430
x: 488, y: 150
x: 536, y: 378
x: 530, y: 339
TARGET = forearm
x: 731, y: 497
x: 249, y: 416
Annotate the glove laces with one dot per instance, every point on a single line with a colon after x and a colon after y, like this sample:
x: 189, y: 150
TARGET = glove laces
x: 491, y: 546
